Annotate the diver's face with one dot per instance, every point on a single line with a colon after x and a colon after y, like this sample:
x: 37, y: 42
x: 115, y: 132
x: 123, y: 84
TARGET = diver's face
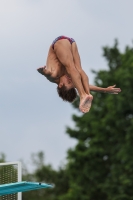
x: 66, y: 81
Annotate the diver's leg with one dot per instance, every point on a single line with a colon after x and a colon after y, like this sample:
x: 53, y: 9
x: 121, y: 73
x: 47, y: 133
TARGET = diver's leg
x: 63, y: 52
x: 77, y: 62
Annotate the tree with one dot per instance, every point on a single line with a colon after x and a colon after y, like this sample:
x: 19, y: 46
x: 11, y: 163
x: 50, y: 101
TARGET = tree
x: 46, y: 174
x: 2, y: 157
x: 101, y: 164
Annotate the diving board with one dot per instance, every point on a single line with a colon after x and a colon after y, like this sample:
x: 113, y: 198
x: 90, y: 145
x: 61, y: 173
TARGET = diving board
x: 23, y: 186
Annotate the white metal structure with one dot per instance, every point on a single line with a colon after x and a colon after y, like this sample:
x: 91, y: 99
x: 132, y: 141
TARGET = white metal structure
x: 11, y: 172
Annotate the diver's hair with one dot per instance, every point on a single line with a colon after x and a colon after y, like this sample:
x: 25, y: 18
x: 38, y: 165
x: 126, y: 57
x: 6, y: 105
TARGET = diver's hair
x: 67, y: 95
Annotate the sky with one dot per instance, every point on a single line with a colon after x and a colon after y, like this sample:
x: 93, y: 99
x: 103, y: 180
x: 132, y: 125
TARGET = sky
x: 32, y: 116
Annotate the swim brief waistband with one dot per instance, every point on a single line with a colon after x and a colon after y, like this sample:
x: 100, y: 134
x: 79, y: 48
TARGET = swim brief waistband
x: 71, y: 40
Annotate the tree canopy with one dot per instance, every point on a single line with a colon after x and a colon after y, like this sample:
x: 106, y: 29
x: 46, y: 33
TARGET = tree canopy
x: 101, y: 165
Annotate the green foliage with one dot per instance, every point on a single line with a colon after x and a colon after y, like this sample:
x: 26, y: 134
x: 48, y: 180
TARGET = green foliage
x: 2, y: 157
x: 45, y: 173
x: 101, y: 165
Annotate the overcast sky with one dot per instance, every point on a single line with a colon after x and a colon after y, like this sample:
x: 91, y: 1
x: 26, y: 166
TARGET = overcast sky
x: 32, y: 116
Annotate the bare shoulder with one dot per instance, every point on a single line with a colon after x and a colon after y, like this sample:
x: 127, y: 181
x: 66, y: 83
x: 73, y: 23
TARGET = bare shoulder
x: 44, y: 71
x: 48, y: 74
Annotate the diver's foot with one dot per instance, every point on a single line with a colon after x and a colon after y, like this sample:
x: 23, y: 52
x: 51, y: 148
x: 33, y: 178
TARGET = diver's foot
x: 40, y: 70
x: 85, y: 103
